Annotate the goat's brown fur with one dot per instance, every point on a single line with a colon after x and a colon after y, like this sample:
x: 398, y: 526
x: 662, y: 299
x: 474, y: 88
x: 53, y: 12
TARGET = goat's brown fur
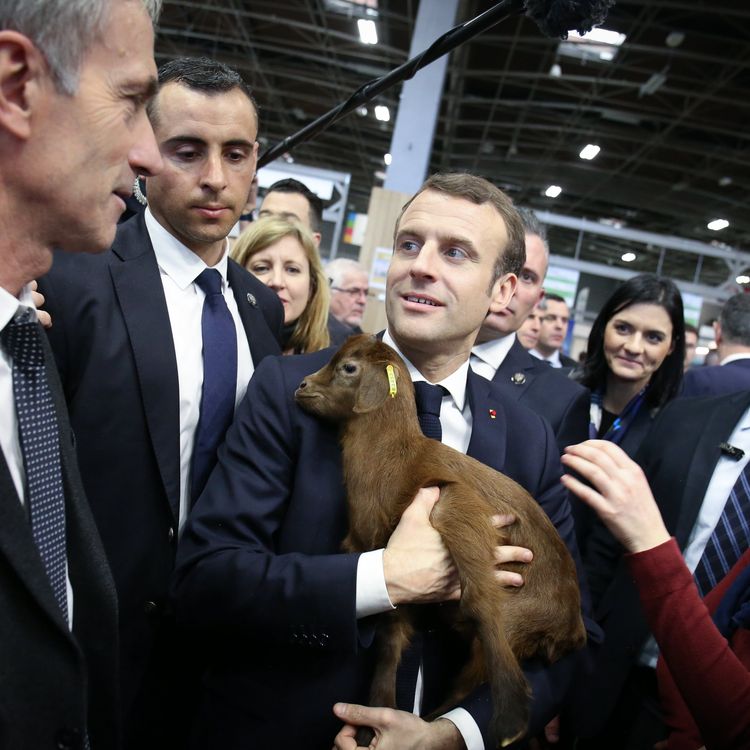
x: 386, y: 461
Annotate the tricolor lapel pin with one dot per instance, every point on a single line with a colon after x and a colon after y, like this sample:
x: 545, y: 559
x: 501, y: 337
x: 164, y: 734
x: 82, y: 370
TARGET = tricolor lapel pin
x: 493, y: 414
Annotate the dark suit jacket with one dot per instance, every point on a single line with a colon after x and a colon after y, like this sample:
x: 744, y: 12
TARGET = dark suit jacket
x: 679, y: 457
x: 54, y: 683
x: 543, y: 389
x: 113, y: 344
x: 717, y: 380
x: 260, y: 563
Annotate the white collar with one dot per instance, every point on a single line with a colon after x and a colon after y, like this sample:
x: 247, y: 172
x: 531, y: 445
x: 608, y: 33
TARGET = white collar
x: 455, y: 383
x: 9, y: 304
x: 178, y: 261
x: 495, y: 351
x: 735, y: 358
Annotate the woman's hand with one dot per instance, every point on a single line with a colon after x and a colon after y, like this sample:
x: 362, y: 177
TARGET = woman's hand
x: 620, y: 494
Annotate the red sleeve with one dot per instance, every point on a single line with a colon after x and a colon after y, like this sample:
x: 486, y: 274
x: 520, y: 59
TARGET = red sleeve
x: 712, y: 680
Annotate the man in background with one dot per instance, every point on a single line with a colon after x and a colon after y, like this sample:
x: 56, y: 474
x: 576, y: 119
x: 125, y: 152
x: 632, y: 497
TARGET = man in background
x: 349, y: 290
x: 528, y: 333
x: 691, y: 342
x: 498, y: 354
x: 74, y: 82
x: 292, y: 200
x: 555, y: 318
x: 732, y: 334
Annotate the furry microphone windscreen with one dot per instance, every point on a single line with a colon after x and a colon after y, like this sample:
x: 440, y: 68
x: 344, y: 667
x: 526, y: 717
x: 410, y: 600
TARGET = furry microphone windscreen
x: 556, y: 17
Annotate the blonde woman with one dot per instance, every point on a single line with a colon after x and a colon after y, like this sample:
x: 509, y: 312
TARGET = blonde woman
x: 283, y: 256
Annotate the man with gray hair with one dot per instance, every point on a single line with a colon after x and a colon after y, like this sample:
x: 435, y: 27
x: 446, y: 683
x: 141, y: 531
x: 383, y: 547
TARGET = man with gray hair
x: 75, y: 76
x: 349, y: 289
x: 732, y: 334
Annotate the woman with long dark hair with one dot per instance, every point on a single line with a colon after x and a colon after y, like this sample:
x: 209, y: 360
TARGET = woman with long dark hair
x: 635, y: 357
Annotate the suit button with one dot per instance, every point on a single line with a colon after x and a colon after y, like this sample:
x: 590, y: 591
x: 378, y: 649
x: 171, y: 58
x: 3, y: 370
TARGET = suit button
x: 68, y: 739
x: 170, y: 534
x: 150, y: 608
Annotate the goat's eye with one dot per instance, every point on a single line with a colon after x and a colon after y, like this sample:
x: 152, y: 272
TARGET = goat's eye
x: 349, y: 368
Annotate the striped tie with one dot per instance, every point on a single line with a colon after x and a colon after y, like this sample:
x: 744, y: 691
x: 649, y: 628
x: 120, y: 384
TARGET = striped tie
x: 730, y: 538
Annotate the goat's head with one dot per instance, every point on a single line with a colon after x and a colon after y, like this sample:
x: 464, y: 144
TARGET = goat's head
x: 356, y: 381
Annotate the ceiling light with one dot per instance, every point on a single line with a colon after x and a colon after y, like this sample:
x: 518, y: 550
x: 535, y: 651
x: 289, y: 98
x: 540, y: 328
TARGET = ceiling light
x: 628, y: 257
x: 553, y: 191
x: 368, y: 33
x: 674, y: 39
x: 589, y: 151
x: 555, y: 71
x: 387, y: 158
x: 362, y: 111
x: 701, y: 351
x: 600, y: 36
x: 382, y: 113
x: 724, y: 181
x: 380, y: 174
x: 743, y: 279
x: 718, y: 224
x: 653, y: 84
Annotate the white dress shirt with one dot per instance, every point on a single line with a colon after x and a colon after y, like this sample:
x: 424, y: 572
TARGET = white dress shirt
x: 553, y: 359
x: 734, y: 358
x: 725, y: 475
x: 9, y: 439
x: 179, y: 267
x: 486, y: 358
x: 372, y: 594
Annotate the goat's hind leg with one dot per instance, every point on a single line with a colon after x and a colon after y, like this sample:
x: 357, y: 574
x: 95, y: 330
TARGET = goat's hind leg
x: 466, y: 528
x: 393, y: 637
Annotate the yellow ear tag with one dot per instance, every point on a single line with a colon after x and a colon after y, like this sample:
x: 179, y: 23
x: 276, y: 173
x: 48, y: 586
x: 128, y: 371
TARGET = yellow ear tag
x: 392, y: 390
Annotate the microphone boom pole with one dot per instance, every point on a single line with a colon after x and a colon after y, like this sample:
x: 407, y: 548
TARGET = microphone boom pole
x: 554, y: 18
x: 441, y: 46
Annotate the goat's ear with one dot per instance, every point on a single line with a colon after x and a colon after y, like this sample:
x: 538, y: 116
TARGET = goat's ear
x: 373, y: 388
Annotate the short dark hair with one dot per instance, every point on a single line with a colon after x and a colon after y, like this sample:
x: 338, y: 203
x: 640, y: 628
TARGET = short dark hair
x: 290, y: 185
x: 643, y: 289
x: 201, y: 74
x: 480, y: 191
x: 735, y: 319
x: 551, y: 297
x: 689, y: 328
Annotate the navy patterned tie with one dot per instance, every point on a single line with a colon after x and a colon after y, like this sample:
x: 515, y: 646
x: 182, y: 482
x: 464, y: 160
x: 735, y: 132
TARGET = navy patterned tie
x: 730, y: 538
x: 429, y: 398
x: 40, y: 446
x: 219, y: 379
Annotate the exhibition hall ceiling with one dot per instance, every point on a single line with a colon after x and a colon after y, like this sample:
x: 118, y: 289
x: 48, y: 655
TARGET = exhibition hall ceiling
x: 668, y: 108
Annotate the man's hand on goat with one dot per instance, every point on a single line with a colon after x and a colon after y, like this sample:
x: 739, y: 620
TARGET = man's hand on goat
x: 395, y: 730
x: 417, y: 566
x: 419, y: 569
x: 507, y: 553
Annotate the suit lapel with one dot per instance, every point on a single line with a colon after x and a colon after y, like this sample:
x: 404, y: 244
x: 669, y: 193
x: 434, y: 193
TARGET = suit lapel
x: 702, y: 463
x: 489, y: 428
x: 516, y: 372
x: 259, y: 337
x: 137, y: 282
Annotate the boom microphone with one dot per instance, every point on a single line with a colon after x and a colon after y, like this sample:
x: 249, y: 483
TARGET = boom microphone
x: 554, y: 17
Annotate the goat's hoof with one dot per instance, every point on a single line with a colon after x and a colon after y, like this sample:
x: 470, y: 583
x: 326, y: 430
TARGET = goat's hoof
x: 364, y: 737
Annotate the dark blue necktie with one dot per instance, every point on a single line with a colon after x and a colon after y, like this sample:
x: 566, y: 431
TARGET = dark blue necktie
x: 429, y: 399
x: 40, y: 446
x: 730, y: 538
x: 219, y: 379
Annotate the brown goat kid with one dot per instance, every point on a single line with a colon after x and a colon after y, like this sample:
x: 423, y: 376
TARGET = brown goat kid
x: 386, y: 460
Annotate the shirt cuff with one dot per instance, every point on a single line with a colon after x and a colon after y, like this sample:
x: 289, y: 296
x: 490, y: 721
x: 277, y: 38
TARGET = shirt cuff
x: 372, y: 593
x: 467, y: 727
